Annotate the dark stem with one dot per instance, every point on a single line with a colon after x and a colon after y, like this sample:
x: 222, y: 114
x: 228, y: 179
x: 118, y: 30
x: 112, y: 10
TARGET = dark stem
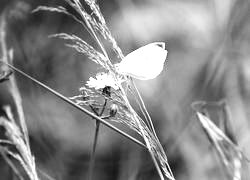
x: 93, y: 153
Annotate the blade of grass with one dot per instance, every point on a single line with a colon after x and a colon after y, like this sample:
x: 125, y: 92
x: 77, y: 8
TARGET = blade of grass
x: 67, y: 100
x: 10, y: 163
x: 48, y: 177
x: 143, y: 108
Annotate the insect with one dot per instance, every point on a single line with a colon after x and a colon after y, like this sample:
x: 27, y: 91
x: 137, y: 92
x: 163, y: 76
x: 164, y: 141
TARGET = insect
x: 144, y: 63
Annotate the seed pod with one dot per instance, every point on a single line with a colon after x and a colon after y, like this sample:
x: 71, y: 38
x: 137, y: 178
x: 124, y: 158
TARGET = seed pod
x: 106, y: 91
x: 113, y: 110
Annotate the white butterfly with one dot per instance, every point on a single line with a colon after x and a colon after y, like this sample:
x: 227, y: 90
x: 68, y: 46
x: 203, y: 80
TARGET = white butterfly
x: 144, y: 63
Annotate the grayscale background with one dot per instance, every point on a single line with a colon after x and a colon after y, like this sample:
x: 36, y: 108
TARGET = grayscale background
x: 208, y: 45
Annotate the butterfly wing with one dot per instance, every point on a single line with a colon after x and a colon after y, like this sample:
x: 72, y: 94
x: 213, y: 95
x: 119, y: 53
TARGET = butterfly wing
x: 144, y: 63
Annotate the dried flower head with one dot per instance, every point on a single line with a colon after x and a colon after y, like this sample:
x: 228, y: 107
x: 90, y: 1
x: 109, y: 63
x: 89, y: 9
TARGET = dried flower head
x: 101, y: 81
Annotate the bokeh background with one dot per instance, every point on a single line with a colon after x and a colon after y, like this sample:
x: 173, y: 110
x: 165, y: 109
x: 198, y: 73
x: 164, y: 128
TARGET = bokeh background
x: 208, y: 45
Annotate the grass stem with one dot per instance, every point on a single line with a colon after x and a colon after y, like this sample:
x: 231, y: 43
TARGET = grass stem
x: 67, y: 100
x: 93, y: 153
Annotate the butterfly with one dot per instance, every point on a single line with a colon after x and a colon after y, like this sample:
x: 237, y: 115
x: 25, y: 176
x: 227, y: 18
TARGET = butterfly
x: 144, y: 63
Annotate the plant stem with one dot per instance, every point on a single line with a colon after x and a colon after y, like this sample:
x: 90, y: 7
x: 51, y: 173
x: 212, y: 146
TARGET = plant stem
x: 97, y: 127
x: 67, y: 100
x: 143, y: 109
x: 143, y: 130
x: 93, y: 153
x: 9, y: 162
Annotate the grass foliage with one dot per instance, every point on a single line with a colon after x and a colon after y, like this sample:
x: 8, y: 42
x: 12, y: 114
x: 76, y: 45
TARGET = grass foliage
x: 105, y: 98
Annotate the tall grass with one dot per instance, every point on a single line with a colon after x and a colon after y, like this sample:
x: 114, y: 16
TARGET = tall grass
x: 108, y: 85
x: 106, y: 99
x: 222, y: 137
x: 112, y: 92
x: 15, y: 128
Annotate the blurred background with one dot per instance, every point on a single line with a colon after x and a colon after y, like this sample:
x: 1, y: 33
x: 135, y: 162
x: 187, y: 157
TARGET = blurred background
x: 208, y: 46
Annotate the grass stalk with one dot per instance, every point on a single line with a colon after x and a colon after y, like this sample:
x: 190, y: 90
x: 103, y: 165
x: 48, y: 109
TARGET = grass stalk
x: 142, y: 130
x: 98, y: 27
x: 143, y: 109
x: 10, y: 163
x: 16, y: 132
x: 67, y: 100
x: 93, y: 152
